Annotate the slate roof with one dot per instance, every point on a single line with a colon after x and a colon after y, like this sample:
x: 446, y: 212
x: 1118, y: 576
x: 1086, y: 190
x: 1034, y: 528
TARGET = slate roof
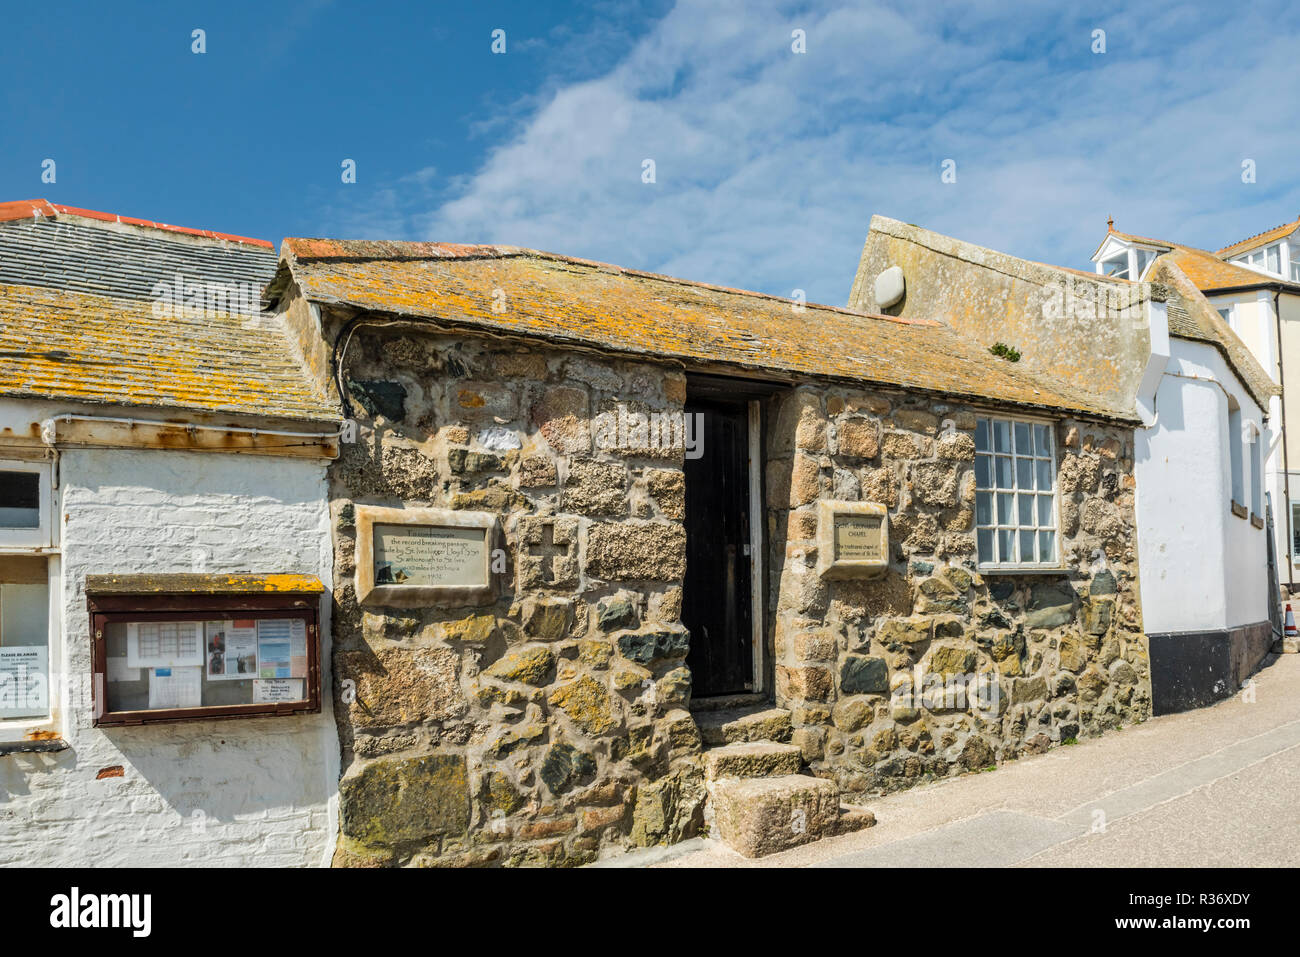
x: 68, y: 251
x: 573, y: 301
x: 78, y: 318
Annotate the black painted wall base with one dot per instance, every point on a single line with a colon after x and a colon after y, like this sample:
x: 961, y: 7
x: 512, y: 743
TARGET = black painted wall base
x: 1191, y: 669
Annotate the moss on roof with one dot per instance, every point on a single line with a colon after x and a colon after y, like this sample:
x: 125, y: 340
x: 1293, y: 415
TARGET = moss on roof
x: 563, y: 300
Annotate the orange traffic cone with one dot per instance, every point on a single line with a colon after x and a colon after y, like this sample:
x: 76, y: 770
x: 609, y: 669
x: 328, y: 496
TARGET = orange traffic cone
x: 1288, y: 627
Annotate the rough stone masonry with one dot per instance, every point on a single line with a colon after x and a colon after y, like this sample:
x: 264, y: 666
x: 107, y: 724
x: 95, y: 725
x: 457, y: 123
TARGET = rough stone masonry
x: 551, y: 725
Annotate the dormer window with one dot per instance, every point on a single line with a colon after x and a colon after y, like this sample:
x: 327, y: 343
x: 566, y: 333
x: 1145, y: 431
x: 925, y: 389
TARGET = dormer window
x: 1120, y: 259
x: 1116, y: 267
x: 1267, y: 258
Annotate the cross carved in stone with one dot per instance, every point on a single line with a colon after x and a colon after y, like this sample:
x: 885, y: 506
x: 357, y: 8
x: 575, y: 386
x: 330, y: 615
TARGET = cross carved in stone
x: 548, y: 550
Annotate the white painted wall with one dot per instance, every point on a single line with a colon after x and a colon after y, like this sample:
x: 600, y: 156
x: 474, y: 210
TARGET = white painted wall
x: 254, y: 792
x: 1201, y: 567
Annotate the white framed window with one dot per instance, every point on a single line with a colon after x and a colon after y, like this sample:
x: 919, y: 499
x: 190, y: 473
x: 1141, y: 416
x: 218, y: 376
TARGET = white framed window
x: 1116, y: 267
x: 1015, y: 494
x: 1256, y: 471
x: 24, y: 637
x: 1236, y: 457
x: 25, y: 510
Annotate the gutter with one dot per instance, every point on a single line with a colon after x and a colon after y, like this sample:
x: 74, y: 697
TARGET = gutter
x: 1286, y: 464
x: 325, y: 442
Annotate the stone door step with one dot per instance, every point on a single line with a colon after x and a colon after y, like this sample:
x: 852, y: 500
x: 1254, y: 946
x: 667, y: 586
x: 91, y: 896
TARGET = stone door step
x: 758, y: 816
x: 752, y: 759
x: 734, y: 727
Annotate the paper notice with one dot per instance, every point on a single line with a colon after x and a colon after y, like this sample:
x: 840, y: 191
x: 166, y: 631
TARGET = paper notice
x: 277, y: 689
x: 175, y: 687
x: 274, y: 648
x: 298, y: 649
x: 232, y: 650
x: 24, y: 681
x: 164, y: 644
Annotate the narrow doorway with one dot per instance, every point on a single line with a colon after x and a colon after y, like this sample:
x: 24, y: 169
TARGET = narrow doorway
x: 723, y: 549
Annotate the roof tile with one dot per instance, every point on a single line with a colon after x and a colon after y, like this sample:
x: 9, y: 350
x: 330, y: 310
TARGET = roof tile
x: 573, y: 301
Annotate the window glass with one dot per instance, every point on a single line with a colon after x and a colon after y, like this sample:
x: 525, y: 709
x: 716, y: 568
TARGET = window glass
x: 1235, y: 456
x: 1015, y: 497
x: 24, y: 637
x: 1256, y: 476
x: 1274, y: 264
x: 20, y: 499
x: 154, y: 665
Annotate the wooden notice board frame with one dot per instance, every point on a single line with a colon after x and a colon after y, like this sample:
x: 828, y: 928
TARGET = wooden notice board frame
x: 140, y: 598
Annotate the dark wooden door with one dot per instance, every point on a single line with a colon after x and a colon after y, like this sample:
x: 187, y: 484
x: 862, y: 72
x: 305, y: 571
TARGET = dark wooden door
x: 716, y: 597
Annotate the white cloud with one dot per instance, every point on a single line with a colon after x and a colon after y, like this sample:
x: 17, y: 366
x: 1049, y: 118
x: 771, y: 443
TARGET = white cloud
x: 770, y: 164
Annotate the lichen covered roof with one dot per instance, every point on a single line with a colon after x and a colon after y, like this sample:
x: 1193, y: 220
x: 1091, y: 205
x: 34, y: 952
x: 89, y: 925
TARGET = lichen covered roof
x: 1211, y: 274
x: 62, y: 344
x: 204, y: 584
x: 1260, y: 239
x: 1192, y: 317
x: 1206, y: 269
x: 563, y: 300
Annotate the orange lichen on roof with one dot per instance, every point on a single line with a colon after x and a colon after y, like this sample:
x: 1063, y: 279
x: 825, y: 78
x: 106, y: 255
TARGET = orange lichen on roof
x: 1260, y: 239
x: 59, y: 344
x: 1206, y: 269
x: 1210, y: 273
x: 570, y: 301
x: 204, y: 584
x: 33, y: 208
x: 1192, y: 317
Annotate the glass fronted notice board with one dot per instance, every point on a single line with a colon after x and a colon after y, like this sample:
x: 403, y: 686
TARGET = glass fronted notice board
x: 194, y: 647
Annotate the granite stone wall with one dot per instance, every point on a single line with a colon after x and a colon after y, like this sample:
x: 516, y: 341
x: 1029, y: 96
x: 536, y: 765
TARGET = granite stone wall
x: 548, y: 724
x: 1044, y: 658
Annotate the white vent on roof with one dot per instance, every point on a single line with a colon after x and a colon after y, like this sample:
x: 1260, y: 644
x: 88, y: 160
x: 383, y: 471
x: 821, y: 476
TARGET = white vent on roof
x: 889, y: 287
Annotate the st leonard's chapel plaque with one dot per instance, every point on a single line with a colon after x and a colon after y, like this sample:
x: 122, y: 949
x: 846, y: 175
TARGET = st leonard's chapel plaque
x: 852, y: 539
x: 413, y: 557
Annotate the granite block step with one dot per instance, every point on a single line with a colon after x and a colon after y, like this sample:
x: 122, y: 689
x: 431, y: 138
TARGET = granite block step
x: 734, y: 727
x: 752, y: 759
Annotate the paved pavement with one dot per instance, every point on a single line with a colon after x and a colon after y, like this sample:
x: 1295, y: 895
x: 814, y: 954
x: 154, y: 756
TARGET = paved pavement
x: 1215, y: 787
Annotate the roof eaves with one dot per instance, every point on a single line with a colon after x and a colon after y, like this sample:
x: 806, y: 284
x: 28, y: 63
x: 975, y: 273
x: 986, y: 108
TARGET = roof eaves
x: 1242, y: 361
x: 1259, y: 239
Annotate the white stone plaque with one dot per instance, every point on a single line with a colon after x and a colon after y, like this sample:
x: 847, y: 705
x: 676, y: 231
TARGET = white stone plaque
x: 419, y: 557
x: 852, y: 539
x: 429, y: 555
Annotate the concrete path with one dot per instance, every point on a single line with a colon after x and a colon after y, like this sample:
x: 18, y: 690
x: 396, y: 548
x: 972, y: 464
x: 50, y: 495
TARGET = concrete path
x: 1214, y: 787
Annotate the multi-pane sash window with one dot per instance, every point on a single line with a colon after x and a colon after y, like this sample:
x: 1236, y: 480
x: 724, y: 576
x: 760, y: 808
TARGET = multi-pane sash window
x: 1015, y: 493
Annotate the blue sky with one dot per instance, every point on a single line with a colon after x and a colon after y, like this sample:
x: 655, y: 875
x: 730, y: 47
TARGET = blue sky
x: 768, y: 163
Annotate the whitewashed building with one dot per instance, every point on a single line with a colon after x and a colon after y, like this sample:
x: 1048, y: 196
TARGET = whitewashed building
x: 162, y: 509
x: 1254, y: 286
x: 1203, y: 405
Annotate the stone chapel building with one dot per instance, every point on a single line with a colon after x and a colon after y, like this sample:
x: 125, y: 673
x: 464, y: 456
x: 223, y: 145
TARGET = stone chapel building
x: 618, y: 555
